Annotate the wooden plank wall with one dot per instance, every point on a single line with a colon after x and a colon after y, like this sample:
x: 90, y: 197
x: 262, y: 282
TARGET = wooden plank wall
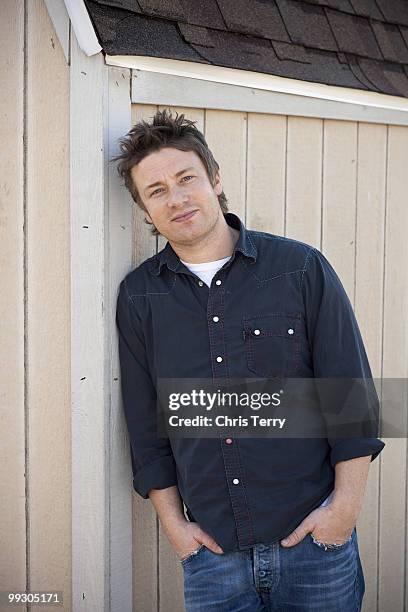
x: 35, y: 459
x: 89, y: 382
x: 48, y: 308
x: 340, y: 186
x: 120, y: 240
x: 12, y: 447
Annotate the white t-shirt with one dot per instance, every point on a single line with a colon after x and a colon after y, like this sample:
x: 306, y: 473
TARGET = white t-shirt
x: 206, y: 271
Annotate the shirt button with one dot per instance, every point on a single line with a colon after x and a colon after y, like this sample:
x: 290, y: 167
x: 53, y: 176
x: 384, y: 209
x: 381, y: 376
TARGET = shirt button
x: 218, y: 282
x: 235, y: 481
x: 216, y: 319
x: 257, y: 332
x: 219, y: 359
x: 290, y: 331
x: 228, y: 440
x: 200, y: 283
x: 262, y: 573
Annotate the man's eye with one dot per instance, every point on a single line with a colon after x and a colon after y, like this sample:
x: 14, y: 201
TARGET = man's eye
x: 160, y: 189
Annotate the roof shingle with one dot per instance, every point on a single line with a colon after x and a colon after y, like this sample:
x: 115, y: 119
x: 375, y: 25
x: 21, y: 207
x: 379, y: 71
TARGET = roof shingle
x: 394, y: 11
x: 255, y: 17
x: 126, y: 33
x: 366, y: 8
x: 353, y: 34
x: 341, y: 5
x: 317, y: 34
x: 204, y: 12
x: 388, y: 78
x: 391, y: 42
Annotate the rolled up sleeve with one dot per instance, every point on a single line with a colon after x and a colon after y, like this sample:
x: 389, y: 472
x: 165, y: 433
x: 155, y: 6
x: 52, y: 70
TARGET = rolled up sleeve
x: 152, y: 459
x: 337, y: 347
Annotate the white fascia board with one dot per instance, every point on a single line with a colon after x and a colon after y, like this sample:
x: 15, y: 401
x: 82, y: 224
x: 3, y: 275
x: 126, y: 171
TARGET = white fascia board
x: 258, y: 80
x: 83, y: 28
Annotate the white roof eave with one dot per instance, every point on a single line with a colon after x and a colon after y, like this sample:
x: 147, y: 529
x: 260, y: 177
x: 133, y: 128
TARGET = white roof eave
x: 258, y: 80
x: 83, y: 28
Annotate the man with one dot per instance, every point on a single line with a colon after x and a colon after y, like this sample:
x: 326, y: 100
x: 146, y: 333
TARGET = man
x: 271, y: 521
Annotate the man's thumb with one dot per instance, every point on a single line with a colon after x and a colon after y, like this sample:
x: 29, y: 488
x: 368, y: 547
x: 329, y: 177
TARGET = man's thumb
x: 296, y: 536
x: 211, y: 544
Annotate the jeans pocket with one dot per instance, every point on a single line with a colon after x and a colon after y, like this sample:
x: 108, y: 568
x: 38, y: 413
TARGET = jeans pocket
x: 331, y: 547
x: 192, y: 555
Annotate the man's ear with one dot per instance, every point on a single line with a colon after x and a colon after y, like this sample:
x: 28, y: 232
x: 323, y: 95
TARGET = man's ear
x: 146, y: 214
x: 217, y: 183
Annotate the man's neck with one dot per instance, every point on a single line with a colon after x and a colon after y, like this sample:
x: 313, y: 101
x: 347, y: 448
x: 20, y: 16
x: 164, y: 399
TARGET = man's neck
x: 217, y: 245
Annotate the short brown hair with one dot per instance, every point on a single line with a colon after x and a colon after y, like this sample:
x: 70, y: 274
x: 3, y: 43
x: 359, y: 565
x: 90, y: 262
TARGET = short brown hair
x: 164, y: 131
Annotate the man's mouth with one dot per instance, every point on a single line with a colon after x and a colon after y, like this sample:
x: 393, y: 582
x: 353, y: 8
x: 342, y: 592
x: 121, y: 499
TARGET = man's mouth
x: 185, y: 216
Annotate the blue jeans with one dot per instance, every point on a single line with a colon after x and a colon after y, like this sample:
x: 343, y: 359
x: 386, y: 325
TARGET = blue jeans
x: 269, y: 577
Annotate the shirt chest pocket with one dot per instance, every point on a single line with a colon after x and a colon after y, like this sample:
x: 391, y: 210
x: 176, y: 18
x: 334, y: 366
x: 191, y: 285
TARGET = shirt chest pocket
x: 272, y: 344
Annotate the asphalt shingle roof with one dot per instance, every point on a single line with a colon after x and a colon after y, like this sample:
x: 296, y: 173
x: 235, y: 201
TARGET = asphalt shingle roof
x: 361, y: 44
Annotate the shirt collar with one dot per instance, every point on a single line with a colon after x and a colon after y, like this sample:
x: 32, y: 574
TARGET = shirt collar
x: 244, y: 244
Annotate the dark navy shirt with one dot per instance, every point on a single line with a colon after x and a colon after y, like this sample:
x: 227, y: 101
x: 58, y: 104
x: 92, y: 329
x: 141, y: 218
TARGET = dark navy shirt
x: 241, y: 491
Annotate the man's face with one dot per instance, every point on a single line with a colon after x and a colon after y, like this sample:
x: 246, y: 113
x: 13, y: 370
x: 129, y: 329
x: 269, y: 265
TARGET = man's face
x: 172, y: 183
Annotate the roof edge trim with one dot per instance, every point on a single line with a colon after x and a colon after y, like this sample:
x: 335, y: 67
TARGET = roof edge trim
x: 268, y: 82
x: 83, y: 28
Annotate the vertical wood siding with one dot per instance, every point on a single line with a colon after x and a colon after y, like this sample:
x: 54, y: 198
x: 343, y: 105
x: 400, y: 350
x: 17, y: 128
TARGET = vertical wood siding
x: 340, y: 186
x: 393, y: 478
x: 35, y: 461
x: 12, y: 447
x: 120, y: 239
x: 47, y: 296
x: 90, y: 312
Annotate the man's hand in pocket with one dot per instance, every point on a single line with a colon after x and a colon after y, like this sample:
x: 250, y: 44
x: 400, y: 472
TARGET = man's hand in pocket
x: 327, y: 525
x: 186, y: 537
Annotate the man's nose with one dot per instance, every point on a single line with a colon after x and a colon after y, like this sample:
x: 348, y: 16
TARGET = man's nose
x: 177, y: 196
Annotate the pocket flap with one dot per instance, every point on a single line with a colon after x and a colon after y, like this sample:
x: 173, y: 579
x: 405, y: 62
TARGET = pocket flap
x: 276, y: 324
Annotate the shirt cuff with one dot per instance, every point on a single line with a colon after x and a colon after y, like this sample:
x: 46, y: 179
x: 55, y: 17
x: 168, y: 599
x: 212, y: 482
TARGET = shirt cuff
x: 344, y: 449
x: 160, y: 474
